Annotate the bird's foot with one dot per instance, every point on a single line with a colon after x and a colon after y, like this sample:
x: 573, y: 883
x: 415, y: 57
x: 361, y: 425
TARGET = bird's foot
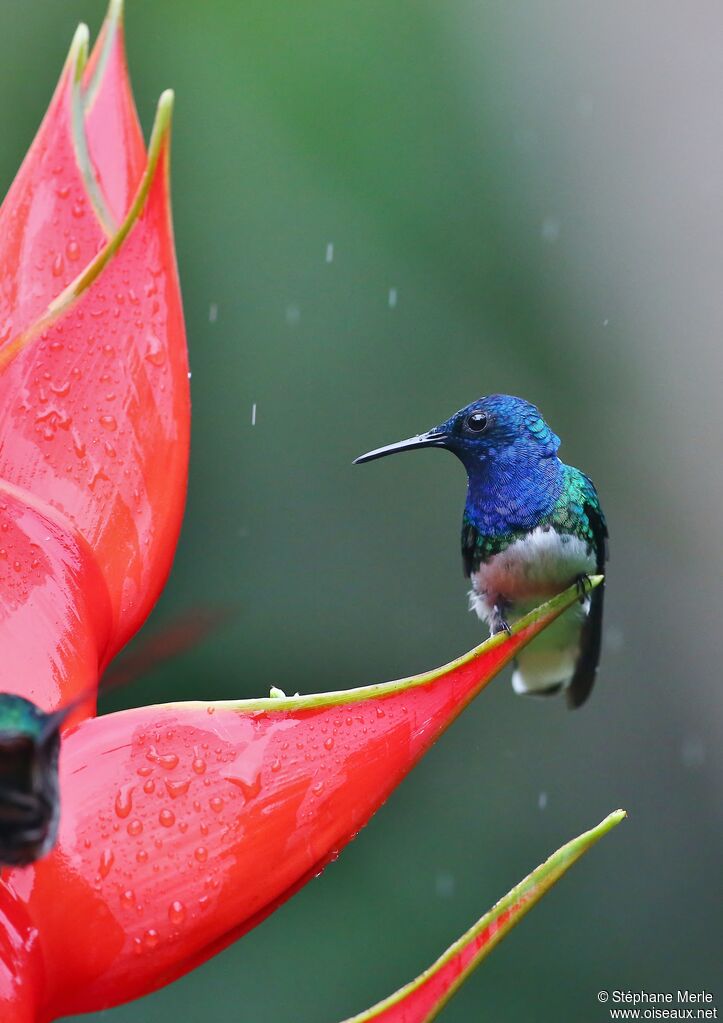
x: 498, y: 622
x: 582, y: 583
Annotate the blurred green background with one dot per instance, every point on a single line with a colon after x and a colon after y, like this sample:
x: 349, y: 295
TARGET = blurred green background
x: 520, y: 197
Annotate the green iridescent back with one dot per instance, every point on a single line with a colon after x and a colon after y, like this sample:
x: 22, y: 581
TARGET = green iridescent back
x: 19, y: 716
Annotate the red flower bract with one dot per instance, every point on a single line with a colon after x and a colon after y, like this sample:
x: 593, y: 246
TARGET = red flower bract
x: 94, y: 407
x: 184, y: 825
x: 181, y: 825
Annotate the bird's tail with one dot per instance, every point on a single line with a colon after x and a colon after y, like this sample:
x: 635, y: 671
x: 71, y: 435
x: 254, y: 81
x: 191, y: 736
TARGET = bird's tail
x: 548, y: 663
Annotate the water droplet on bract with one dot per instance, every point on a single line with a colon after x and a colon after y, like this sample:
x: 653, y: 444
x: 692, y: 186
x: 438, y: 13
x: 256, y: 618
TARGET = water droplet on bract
x: 128, y: 898
x: 78, y: 445
x: 108, y: 422
x: 249, y: 789
x: 177, y: 788
x: 329, y: 743
x: 317, y: 788
x: 142, y: 856
x: 134, y: 827
x: 276, y: 765
x: 216, y: 803
x: 199, y: 765
x: 105, y: 865
x: 201, y: 853
x: 151, y: 938
x: 176, y: 912
x: 155, y: 352
x: 165, y: 760
x: 124, y: 800
x: 72, y: 250
x: 167, y: 818
x: 58, y: 266
x: 380, y: 712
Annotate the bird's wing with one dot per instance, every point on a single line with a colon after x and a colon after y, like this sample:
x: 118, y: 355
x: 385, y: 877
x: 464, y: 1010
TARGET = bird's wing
x: 470, y: 548
x: 589, y: 657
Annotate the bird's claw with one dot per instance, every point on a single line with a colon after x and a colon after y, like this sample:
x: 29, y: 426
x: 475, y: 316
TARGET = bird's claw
x: 499, y: 623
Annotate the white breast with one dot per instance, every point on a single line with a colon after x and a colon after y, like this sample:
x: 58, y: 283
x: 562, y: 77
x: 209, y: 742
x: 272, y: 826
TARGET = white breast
x: 528, y: 571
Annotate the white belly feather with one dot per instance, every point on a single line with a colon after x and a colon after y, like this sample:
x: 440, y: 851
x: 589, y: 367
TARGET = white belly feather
x: 519, y: 578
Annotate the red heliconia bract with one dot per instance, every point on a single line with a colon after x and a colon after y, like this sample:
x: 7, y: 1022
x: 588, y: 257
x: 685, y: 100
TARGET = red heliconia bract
x: 184, y: 825
x: 94, y: 402
x: 94, y: 398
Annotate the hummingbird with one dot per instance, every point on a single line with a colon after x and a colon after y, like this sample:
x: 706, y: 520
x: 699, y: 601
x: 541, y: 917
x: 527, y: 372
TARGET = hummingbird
x: 29, y: 803
x: 30, y: 740
x: 532, y: 526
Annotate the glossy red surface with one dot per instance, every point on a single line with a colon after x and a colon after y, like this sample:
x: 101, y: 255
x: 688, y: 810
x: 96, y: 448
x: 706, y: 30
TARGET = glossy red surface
x: 94, y: 422
x: 184, y: 825
x: 94, y: 412
x: 115, y: 141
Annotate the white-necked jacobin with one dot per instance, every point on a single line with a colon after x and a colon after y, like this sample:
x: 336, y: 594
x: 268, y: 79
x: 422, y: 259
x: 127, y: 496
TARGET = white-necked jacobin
x: 29, y: 801
x: 532, y: 526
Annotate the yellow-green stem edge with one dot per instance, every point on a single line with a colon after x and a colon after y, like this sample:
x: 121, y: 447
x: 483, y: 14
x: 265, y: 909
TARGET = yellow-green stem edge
x: 534, y: 886
x: 549, y: 610
x: 112, y: 22
x: 78, y: 59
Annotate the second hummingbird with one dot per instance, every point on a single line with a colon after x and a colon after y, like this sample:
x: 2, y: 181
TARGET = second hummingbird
x: 532, y: 526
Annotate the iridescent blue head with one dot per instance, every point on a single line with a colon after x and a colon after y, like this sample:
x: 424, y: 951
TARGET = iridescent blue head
x: 510, y: 454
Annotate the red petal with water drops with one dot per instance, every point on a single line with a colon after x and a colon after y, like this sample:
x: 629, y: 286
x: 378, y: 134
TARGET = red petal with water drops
x: 48, y: 227
x: 21, y: 965
x: 422, y: 1000
x: 54, y: 612
x: 113, y: 132
x: 184, y: 825
x: 94, y: 404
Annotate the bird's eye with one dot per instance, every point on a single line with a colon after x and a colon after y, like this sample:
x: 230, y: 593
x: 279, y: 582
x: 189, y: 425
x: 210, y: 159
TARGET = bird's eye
x: 476, y: 422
